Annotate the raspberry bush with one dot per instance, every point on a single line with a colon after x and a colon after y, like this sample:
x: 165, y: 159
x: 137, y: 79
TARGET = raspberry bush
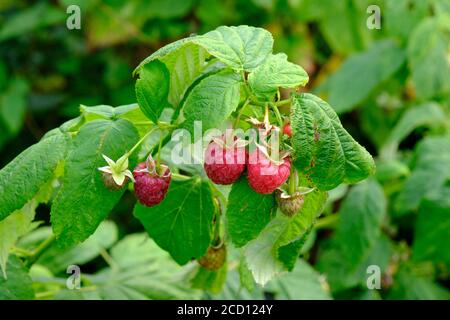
x: 244, y: 194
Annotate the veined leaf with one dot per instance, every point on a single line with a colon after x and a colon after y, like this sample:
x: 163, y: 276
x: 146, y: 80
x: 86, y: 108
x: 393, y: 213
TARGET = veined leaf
x: 248, y: 212
x: 431, y: 171
x: 142, y: 271
x: 428, y: 57
x: 130, y: 112
x: 358, y: 241
x: 12, y: 228
x: 361, y: 216
x: 210, y: 280
x: 342, y: 273
x: 303, y: 283
x: 409, y: 286
x: 13, y: 104
x: 18, y: 284
x: 323, y: 148
x: 182, y: 223
x: 23, y: 177
x: 241, y: 47
x: 263, y: 253
x: 152, y: 89
x: 432, y: 228
x: 83, y: 201
x: 362, y: 73
x: 274, y: 73
x: 212, y: 100
x: 185, y: 62
x: 56, y: 259
x: 429, y: 114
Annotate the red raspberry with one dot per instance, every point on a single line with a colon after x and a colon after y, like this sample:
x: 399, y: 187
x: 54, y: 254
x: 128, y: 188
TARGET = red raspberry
x: 224, y: 164
x: 150, y: 187
x: 265, y: 176
x: 287, y: 130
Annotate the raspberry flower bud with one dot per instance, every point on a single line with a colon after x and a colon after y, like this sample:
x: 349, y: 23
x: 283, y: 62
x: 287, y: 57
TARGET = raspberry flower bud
x: 116, y: 174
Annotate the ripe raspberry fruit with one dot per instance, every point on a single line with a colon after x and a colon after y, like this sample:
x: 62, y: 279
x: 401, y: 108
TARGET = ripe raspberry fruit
x: 287, y: 130
x: 264, y: 175
x: 214, y: 258
x: 290, y: 205
x: 225, y: 160
x: 151, y: 186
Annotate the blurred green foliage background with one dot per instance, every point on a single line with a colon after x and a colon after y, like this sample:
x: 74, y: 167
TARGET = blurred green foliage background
x: 391, y: 87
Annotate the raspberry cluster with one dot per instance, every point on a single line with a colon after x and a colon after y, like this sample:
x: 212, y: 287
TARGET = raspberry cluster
x: 225, y: 164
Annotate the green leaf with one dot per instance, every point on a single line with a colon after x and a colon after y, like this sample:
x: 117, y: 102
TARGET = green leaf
x: 83, y: 201
x: 428, y: 114
x: 23, y: 177
x: 361, y: 216
x: 57, y: 259
x: 276, y: 72
x: 141, y: 271
x: 409, y: 286
x: 130, y: 112
x: 303, y: 283
x: 248, y: 212
x: 428, y: 57
x: 182, y: 223
x: 13, y: 227
x: 212, y: 100
x: 102, y: 111
x: 358, y: 241
x: 169, y: 8
x: 323, y: 148
x: 362, y: 73
x: 402, y: 16
x: 233, y: 290
x: 245, y: 275
x: 13, y: 105
x: 152, y: 89
x: 210, y: 280
x: 263, y: 253
x: 431, y: 171
x: 30, y: 19
x: 18, y: 284
x: 241, y: 48
x: 432, y: 228
x: 342, y: 273
x: 185, y: 62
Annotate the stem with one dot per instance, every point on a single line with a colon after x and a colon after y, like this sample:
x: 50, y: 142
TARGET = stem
x: 236, y: 122
x: 22, y: 252
x: 158, y: 159
x: 282, y: 102
x: 129, y: 153
x: 40, y: 250
x: 178, y: 176
x: 217, y: 192
x: 293, y: 181
x: 327, y: 222
x: 277, y: 115
x: 216, y: 236
x: 108, y: 259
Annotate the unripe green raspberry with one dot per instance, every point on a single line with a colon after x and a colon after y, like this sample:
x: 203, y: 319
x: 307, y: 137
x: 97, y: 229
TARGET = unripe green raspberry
x: 290, y: 205
x: 214, y: 258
